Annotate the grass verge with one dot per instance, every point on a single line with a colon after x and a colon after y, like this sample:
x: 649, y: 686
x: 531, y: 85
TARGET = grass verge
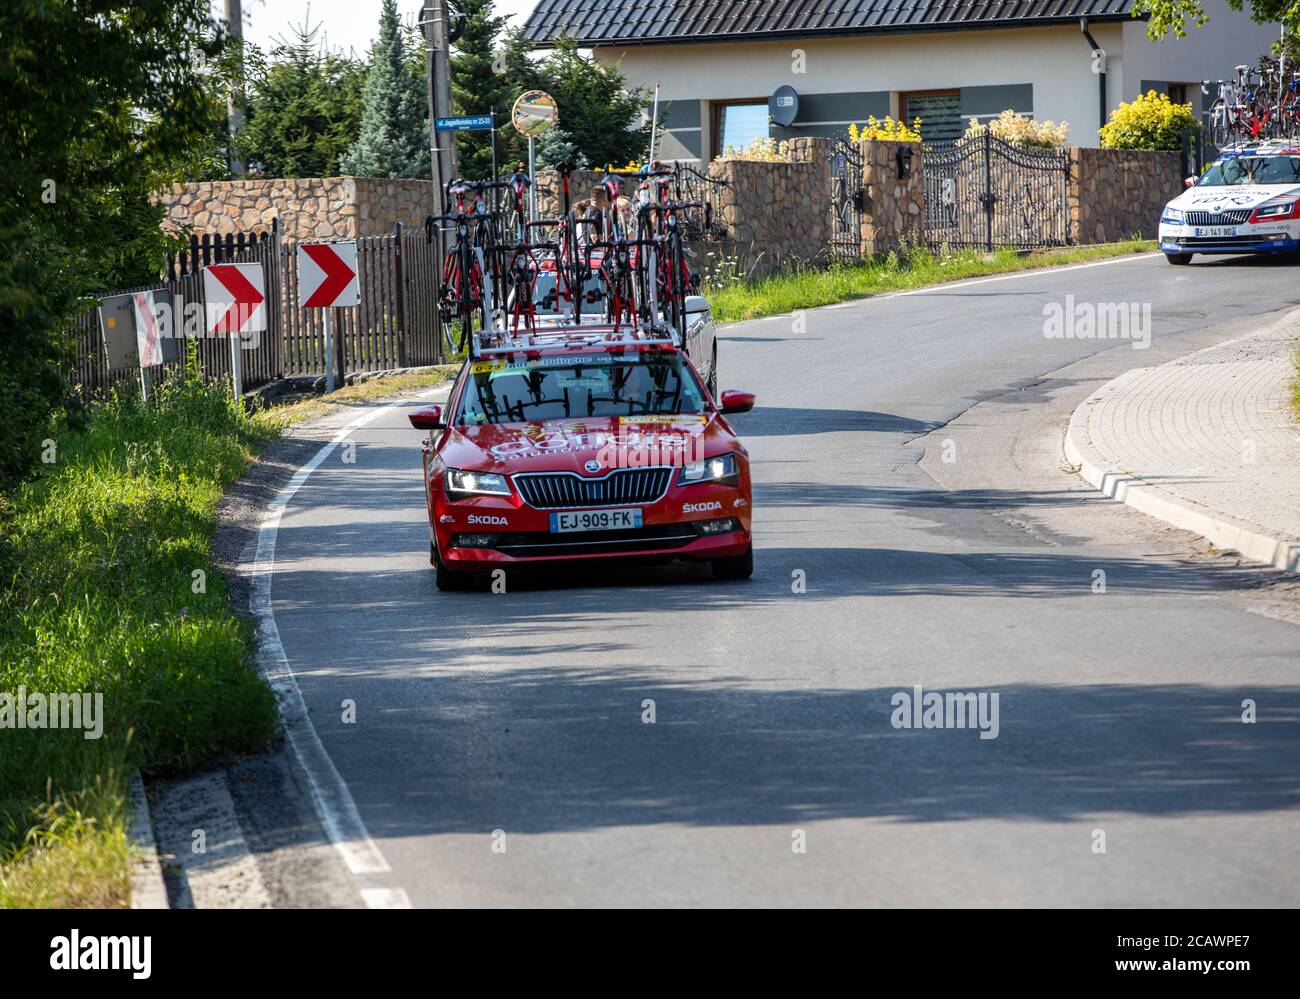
x: 107, y: 588
x: 808, y: 289
x: 108, y: 593
x: 308, y: 406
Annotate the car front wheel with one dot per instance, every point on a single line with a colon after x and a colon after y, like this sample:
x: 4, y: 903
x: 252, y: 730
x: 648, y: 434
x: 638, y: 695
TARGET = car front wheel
x: 739, y: 567
x: 1179, y: 258
x: 445, y: 579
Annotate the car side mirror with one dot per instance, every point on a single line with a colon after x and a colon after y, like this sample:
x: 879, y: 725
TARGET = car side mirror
x: 735, y: 401
x: 427, y: 418
x: 1189, y: 182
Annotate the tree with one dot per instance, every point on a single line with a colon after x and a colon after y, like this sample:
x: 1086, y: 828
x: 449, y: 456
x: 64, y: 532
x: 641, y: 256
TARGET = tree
x: 595, y: 105
x: 1172, y: 17
x: 394, y: 120
x: 304, y: 108
x: 556, y: 147
x: 105, y: 103
x: 478, y: 84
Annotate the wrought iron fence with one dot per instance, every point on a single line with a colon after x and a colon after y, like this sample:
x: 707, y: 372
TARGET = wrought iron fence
x: 846, y: 200
x: 694, y: 185
x: 984, y: 192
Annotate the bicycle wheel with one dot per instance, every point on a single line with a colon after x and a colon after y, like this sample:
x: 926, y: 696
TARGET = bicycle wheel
x: 467, y: 303
x: 675, y: 310
x: 448, y: 307
x: 1219, y: 130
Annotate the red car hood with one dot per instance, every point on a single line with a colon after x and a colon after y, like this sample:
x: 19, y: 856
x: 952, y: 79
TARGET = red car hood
x: 568, y: 445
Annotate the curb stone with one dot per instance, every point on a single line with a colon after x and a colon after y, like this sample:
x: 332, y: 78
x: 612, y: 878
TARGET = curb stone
x: 1220, y: 529
x: 148, y: 890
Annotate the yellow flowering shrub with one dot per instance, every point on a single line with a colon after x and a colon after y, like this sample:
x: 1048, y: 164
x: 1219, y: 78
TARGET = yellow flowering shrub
x: 1022, y: 130
x: 888, y: 130
x: 1152, y: 121
x: 764, y: 150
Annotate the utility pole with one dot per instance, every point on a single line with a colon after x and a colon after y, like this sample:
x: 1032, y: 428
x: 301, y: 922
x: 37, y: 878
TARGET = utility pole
x: 438, y: 63
x: 433, y: 19
x: 235, y: 100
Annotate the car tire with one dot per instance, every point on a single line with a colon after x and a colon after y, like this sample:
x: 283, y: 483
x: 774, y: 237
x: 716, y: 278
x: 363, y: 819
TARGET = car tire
x: 1179, y: 258
x: 712, y: 384
x: 740, y: 567
x: 445, y: 579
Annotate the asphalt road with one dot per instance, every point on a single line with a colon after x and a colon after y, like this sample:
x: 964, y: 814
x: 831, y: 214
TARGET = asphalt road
x: 516, y: 720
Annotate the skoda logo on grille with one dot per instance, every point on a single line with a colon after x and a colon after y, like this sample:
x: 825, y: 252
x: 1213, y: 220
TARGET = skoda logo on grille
x: 592, y: 466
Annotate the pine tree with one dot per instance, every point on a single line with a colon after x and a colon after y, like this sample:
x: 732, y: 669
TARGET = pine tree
x: 479, y: 83
x: 304, y: 108
x: 595, y: 106
x: 556, y: 147
x: 394, y: 118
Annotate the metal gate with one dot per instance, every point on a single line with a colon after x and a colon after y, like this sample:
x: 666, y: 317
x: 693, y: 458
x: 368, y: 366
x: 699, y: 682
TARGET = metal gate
x: 846, y: 200
x: 984, y: 192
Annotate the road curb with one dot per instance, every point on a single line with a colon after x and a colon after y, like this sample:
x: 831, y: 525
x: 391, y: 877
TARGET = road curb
x: 1220, y: 529
x: 148, y: 890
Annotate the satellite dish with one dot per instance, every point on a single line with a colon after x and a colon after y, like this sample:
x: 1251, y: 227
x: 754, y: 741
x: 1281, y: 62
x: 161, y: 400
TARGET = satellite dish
x: 783, y: 106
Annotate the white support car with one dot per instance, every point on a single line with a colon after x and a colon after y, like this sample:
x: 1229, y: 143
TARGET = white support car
x: 1248, y: 201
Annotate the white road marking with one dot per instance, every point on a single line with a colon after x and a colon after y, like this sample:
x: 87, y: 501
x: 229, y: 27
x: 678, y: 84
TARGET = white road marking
x: 334, y: 804
x: 386, y: 898
x: 1032, y: 272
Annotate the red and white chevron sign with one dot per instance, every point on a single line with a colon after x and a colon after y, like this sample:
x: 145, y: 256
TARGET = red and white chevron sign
x: 236, y: 298
x: 327, y: 275
x: 147, y: 335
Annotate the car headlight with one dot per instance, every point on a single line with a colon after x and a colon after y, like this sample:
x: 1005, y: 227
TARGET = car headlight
x: 1275, y: 210
x: 724, y: 468
x: 466, y: 483
x: 1173, y: 216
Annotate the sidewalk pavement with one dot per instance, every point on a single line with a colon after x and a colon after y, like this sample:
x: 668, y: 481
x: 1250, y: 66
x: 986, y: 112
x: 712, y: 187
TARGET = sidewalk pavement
x: 1207, y: 443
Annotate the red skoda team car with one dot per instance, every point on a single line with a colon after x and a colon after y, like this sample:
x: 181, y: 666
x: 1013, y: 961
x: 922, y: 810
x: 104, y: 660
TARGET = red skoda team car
x: 587, y: 453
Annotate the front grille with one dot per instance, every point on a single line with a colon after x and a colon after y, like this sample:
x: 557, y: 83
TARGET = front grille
x: 650, y: 538
x: 567, y: 490
x: 1236, y: 216
x: 1246, y: 242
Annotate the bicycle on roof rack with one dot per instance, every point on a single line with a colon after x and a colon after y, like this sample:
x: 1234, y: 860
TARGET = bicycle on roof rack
x: 1260, y: 104
x: 609, y: 273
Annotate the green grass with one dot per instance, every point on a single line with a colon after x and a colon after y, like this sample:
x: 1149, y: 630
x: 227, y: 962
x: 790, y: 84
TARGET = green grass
x: 309, y: 406
x: 808, y: 289
x: 99, y: 593
x: 106, y: 586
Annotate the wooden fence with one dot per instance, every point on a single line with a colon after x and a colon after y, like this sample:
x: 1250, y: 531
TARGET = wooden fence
x: 395, y: 326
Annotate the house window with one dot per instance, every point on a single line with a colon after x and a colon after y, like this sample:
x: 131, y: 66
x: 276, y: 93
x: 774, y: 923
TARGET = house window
x: 738, y: 123
x: 939, y: 111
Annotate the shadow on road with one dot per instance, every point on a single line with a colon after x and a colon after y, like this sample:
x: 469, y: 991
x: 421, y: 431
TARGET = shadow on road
x: 544, y: 750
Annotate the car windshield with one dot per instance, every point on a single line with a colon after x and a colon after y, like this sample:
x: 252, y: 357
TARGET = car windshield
x: 557, y: 388
x: 1233, y: 171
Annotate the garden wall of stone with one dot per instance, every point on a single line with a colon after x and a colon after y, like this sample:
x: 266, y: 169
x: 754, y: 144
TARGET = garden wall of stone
x: 1118, y: 193
x: 772, y: 216
x: 893, y: 207
x: 325, y: 208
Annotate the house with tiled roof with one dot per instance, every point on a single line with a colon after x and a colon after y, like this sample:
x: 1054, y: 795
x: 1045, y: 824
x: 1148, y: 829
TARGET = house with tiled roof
x: 721, y: 62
